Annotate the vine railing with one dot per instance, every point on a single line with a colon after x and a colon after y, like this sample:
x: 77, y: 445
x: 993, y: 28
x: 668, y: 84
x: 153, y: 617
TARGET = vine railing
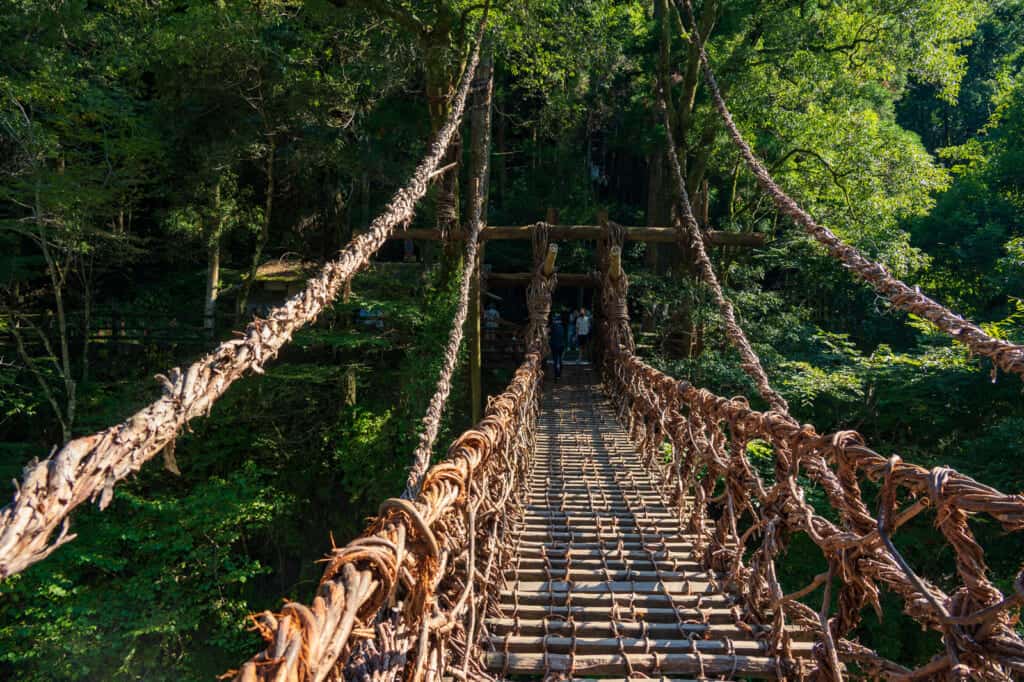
x: 406, y: 599
x: 758, y: 516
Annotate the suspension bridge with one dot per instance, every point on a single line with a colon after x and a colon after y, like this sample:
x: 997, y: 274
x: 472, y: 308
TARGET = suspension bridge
x: 610, y: 526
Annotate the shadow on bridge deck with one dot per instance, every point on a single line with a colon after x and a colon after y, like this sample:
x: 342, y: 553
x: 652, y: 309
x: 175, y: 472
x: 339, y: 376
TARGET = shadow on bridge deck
x: 605, y: 582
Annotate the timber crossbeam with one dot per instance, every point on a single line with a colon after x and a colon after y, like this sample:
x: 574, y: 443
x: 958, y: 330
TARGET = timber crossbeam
x: 512, y: 279
x: 589, y: 233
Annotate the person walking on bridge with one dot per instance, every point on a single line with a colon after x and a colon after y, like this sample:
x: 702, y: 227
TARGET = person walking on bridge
x: 556, y: 339
x: 583, y: 321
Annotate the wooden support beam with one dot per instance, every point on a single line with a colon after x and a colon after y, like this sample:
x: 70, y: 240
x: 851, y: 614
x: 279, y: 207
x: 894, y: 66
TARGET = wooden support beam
x: 476, y: 392
x: 592, y: 233
x: 515, y: 279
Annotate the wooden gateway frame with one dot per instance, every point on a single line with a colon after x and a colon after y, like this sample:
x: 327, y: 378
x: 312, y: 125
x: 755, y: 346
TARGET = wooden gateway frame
x: 556, y: 233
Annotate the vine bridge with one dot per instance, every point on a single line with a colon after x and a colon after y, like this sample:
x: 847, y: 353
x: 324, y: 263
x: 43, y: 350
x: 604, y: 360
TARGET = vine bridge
x: 609, y: 526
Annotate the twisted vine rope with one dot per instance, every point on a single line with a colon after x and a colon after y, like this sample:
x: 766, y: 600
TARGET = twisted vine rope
x: 89, y: 467
x: 689, y: 233
x: 435, y: 410
x: 709, y: 437
x: 418, y: 559
x: 1005, y: 355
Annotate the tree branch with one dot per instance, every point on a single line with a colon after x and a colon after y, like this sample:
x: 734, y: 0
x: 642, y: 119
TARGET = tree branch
x: 43, y: 338
x: 837, y: 177
x: 37, y: 373
x: 405, y: 19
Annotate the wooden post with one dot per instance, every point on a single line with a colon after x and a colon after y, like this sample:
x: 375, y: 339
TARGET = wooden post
x: 476, y: 391
x: 615, y: 262
x: 552, y: 216
x: 549, y: 260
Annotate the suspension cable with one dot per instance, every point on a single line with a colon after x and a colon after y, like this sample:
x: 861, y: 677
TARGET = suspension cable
x: 89, y: 467
x: 435, y: 410
x: 1004, y: 355
x: 688, y: 229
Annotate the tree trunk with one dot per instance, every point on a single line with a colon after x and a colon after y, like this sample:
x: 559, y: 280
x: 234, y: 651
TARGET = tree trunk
x: 58, y: 276
x: 86, y: 317
x: 350, y: 386
x: 264, y: 235
x: 654, y: 201
x: 212, y: 287
x: 440, y: 83
x: 501, y: 160
x: 685, y: 334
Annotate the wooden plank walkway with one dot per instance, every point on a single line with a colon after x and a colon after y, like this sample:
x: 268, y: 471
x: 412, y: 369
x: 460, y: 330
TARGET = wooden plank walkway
x: 605, y: 583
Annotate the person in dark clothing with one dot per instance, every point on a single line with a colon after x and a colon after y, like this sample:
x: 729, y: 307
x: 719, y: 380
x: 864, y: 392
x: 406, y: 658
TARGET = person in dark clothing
x: 557, y: 340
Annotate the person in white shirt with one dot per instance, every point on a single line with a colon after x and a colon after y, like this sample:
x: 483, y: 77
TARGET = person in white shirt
x: 583, y: 322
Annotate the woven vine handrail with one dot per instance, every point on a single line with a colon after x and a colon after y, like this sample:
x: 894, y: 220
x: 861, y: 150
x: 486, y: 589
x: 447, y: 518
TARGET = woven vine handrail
x: 709, y: 437
x: 405, y: 592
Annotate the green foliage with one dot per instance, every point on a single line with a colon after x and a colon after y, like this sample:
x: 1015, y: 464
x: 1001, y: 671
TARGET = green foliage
x: 130, y: 131
x: 976, y: 228
x: 124, y: 600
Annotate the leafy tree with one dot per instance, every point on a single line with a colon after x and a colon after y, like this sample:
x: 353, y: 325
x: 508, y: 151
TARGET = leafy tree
x: 76, y: 157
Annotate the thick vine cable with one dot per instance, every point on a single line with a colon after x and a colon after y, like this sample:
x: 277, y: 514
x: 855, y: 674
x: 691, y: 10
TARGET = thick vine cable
x: 89, y: 467
x: 1004, y: 355
x: 407, y: 561
x: 435, y: 410
x: 690, y: 230
x: 710, y: 434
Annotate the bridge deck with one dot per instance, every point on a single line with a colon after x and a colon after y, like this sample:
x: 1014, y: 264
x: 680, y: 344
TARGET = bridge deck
x: 605, y: 583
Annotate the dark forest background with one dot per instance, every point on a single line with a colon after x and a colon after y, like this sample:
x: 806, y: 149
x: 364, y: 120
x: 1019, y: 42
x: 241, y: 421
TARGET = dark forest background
x: 170, y: 167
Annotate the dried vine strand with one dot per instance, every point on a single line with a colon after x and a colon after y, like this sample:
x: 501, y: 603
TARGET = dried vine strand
x: 689, y: 233
x: 1004, y: 355
x: 89, y: 467
x: 435, y: 410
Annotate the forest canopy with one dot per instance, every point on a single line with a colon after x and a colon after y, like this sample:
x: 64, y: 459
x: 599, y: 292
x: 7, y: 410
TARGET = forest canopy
x: 169, y: 168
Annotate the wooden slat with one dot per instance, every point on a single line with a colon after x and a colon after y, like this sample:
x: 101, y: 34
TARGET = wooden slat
x: 690, y: 603
x: 561, y: 558
x: 698, y: 583
x: 651, y: 629
x: 652, y: 664
x: 615, y: 574
x: 605, y: 581
x: 610, y: 645
x: 710, y: 613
